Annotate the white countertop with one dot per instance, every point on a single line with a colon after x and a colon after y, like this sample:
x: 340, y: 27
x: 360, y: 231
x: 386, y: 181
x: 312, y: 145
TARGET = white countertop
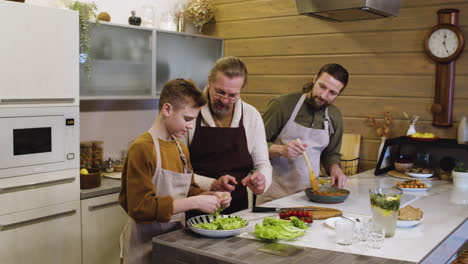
x: 444, y: 207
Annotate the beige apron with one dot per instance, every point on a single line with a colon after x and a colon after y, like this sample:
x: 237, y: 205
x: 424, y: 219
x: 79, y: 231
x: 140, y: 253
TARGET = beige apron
x: 291, y: 176
x: 135, y: 239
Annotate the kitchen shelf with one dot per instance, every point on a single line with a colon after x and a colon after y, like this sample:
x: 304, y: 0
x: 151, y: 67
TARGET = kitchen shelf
x: 129, y: 62
x: 444, y: 143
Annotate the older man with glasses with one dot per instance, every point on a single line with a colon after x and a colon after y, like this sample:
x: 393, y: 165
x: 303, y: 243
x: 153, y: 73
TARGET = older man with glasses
x: 227, y: 144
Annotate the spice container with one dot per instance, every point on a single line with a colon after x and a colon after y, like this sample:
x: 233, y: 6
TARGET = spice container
x: 98, y: 154
x: 86, y: 155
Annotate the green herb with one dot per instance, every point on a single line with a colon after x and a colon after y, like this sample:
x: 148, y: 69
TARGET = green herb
x: 385, y: 202
x: 86, y: 11
x: 223, y: 223
x: 274, y: 228
x: 216, y: 214
x: 460, y: 167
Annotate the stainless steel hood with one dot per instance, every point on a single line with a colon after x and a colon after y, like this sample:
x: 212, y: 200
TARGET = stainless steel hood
x: 348, y: 10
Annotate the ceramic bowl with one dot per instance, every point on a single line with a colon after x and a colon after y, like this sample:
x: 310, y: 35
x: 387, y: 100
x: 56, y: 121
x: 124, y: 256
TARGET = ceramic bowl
x: 200, y: 219
x: 343, y: 194
x: 402, y: 167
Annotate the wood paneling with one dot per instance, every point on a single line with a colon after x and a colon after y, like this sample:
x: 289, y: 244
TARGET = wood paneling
x: 277, y: 24
x: 389, y: 70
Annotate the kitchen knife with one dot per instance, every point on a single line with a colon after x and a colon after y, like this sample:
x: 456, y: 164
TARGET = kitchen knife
x: 260, y: 209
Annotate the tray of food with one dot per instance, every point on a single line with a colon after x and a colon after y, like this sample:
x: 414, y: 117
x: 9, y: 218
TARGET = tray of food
x: 420, y: 172
x: 412, y: 186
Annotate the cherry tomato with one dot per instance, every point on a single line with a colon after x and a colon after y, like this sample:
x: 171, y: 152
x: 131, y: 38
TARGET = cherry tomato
x: 288, y: 213
x: 282, y: 215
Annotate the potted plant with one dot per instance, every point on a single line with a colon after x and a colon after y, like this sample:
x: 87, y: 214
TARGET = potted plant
x: 87, y: 11
x: 460, y: 175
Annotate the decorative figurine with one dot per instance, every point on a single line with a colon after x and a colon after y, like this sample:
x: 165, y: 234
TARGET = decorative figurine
x: 134, y: 20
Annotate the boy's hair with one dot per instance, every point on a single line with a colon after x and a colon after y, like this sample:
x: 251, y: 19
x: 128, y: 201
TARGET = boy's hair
x: 180, y: 92
x: 337, y: 71
x: 231, y: 67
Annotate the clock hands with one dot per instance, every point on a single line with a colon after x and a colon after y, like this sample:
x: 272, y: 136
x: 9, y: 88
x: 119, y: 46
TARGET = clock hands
x: 445, y: 46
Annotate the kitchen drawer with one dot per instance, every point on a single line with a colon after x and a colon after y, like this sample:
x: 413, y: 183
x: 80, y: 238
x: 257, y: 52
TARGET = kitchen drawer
x: 44, y: 235
x: 102, y: 221
x: 38, y: 190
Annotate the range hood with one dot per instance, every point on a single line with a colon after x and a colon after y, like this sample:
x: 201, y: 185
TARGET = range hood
x: 348, y: 10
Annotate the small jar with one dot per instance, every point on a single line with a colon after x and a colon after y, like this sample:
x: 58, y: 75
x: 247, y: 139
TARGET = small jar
x: 86, y: 155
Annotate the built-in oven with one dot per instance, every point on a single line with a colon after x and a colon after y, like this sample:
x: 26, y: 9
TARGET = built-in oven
x: 38, y: 139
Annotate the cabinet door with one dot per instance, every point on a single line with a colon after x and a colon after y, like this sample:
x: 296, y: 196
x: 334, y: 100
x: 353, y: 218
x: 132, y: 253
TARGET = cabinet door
x: 121, y: 63
x: 39, y: 54
x: 102, y: 222
x: 45, y: 235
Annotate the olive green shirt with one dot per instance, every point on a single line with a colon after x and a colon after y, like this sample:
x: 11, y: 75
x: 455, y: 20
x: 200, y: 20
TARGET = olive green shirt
x: 280, y: 110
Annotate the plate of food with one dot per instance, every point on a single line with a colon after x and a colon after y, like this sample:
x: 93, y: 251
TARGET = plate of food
x: 409, y: 216
x: 412, y: 186
x: 327, y: 194
x: 420, y: 172
x: 217, y: 226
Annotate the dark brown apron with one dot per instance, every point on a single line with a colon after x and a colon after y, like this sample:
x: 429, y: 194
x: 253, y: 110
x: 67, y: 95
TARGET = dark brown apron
x: 217, y: 151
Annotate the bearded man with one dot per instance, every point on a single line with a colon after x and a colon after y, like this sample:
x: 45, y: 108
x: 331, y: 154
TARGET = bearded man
x: 310, y: 116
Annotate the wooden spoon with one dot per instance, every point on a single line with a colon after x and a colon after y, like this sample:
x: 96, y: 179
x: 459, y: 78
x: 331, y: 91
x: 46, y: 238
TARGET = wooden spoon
x: 312, y: 178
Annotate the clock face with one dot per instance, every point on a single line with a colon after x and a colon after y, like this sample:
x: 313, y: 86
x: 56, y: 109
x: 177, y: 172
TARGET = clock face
x: 443, y: 43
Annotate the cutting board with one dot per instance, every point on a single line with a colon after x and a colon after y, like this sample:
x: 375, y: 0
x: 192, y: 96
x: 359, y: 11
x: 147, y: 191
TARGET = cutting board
x: 323, y: 213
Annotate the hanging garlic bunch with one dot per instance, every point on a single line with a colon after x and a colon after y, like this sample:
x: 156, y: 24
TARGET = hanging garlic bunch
x: 199, y: 12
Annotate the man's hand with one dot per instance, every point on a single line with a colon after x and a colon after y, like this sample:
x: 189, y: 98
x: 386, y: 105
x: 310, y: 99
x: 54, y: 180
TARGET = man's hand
x: 256, y: 182
x: 225, y: 183
x: 338, y: 179
x: 292, y: 150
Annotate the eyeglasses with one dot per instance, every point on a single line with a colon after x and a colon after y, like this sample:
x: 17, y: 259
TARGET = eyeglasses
x: 220, y: 95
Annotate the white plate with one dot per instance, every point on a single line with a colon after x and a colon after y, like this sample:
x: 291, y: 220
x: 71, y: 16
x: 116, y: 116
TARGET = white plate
x: 413, y: 189
x: 213, y: 233
x: 419, y: 175
x: 406, y: 224
x: 330, y: 222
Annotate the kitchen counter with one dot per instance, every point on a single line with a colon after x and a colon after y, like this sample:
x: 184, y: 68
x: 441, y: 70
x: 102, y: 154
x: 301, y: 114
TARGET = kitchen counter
x: 442, y: 232
x: 108, y: 186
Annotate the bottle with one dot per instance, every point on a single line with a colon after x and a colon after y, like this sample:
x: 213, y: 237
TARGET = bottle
x: 463, y: 131
x: 148, y: 16
x: 134, y: 20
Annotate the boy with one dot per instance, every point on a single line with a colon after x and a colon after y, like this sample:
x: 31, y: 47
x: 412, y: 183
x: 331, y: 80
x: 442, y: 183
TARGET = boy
x: 157, y: 179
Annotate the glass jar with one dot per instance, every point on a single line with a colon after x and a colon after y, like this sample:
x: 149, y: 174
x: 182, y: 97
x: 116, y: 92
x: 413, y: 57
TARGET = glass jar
x: 86, y: 155
x: 148, y: 16
x: 98, y: 154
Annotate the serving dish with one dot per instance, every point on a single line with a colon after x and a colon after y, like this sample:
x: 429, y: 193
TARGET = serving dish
x: 419, y: 175
x: 203, y: 219
x: 341, y: 196
x: 413, y: 189
x: 407, y: 224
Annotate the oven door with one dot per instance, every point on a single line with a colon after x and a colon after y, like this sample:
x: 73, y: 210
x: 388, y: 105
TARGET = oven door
x: 34, y: 143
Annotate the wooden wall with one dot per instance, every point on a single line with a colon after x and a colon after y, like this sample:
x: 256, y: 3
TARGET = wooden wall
x: 388, y: 68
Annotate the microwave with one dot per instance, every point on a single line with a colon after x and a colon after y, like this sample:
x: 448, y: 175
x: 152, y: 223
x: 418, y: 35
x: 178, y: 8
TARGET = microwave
x: 38, y: 139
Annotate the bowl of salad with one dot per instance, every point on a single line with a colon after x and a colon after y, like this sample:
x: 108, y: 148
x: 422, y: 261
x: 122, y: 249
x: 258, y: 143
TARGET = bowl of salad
x: 217, y: 226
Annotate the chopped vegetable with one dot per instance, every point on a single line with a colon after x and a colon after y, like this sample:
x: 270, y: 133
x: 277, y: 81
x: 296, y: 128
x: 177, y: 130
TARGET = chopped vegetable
x: 223, y: 223
x: 274, y: 228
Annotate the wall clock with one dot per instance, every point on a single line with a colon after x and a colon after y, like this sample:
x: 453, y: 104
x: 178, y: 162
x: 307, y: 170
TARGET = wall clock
x: 444, y: 43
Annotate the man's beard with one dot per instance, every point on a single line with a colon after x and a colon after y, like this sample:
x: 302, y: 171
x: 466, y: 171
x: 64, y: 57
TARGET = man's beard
x: 317, y: 106
x: 220, y: 110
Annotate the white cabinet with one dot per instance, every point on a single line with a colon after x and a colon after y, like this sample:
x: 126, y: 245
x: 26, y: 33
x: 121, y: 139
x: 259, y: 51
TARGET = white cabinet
x: 102, y: 221
x: 39, y: 55
x: 44, y: 235
x: 129, y: 62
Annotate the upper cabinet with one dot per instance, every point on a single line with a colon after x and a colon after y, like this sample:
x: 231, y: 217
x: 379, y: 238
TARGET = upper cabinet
x: 129, y: 62
x: 39, y: 55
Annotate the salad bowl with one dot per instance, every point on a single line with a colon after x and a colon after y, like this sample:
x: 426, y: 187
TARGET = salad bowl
x: 227, y: 221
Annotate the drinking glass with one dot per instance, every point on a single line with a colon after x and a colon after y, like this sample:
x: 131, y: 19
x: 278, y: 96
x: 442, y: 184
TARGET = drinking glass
x: 375, y: 236
x: 362, y: 228
x: 385, y: 203
x: 344, y: 229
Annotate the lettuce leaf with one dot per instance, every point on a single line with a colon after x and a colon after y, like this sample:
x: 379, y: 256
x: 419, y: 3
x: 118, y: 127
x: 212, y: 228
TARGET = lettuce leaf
x: 223, y: 223
x: 274, y: 228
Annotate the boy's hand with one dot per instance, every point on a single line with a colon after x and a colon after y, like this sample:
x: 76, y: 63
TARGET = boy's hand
x: 226, y: 183
x: 207, y: 203
x: 256, y: 182
x: 225, y: 198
